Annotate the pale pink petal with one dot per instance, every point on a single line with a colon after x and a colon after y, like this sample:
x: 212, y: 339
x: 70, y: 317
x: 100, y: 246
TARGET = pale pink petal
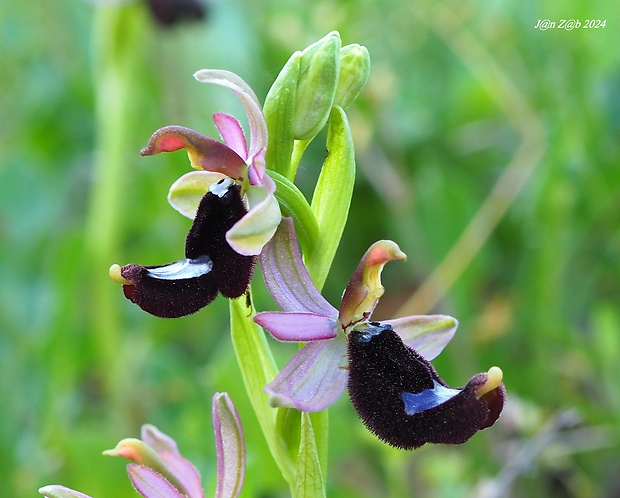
x: 256, y: 170
x: 297, y: 327
x: 258, y: 126
x: 230, y: 447
x: 151, y: 484
x: 232, y: 133
x: 157, y: 440
x: 287, y: 278
x: 427, y: 334
x: 314, y: 378
x: 186, y: 193
x: 250, y: 234
x: 185, y: 473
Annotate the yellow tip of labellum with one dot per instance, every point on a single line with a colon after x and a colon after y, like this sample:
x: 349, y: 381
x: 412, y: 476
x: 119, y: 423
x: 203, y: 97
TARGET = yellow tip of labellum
x: 116, y: 275
x: 494, y: 379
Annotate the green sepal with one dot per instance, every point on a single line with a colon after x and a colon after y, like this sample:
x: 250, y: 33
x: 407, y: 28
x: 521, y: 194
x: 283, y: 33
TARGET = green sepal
x: 294, y: 204
x: 279, y: 111
x: 332, y: 195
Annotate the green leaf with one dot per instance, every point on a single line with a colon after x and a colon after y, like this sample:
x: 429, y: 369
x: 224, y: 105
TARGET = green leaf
x: 309, y: 481
x: 332, y: 195
x: 320, y: 427
x: 258, y: 368
x: 294, y: 204
x: 279, y: 111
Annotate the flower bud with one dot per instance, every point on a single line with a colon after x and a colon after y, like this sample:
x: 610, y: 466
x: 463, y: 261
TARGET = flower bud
x: 316, y: 86
x: 354, y: 71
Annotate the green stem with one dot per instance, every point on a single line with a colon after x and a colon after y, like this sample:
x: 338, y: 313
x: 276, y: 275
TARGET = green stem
x: 117, y: 48
x: 258, y: 368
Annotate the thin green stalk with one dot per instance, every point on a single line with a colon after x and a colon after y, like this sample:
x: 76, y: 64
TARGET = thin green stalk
x: 258, y: 368
x: 117, y: 42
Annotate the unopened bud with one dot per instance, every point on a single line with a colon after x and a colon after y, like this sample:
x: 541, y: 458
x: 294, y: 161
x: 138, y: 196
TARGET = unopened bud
x: 316, y: 86
x: 354, y: 71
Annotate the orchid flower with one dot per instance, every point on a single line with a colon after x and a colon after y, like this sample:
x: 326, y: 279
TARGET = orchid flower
x: 231, y: 200
x: 335, y: 354
x: 159, y: 470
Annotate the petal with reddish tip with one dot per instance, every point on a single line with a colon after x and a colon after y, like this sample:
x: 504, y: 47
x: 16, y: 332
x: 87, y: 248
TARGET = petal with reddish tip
x: 427, y: 334
x: 287, y: 278
x: 364, y: 289
x: 258, y: 126
x: 313, y: 379
x: 204, y: 152
x: 297, y: 327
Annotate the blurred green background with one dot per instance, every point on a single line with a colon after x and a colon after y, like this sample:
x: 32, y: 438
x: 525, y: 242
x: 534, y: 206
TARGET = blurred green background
x: 487, y: 149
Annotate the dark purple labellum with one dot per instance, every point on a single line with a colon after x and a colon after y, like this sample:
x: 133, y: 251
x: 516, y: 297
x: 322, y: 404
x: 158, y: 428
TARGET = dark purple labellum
x: 401, y: 399
x: 210, y: 264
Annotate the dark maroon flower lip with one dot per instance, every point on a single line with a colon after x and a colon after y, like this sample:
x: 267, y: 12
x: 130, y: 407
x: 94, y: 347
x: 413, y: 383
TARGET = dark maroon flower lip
x: 210, y: 265
x: 401, y: 399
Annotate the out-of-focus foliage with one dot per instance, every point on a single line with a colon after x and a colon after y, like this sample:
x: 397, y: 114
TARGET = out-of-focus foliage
x: 471, y: 118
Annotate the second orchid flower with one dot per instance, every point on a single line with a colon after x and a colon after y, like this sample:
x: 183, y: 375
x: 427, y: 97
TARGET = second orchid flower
x: 392, y: 385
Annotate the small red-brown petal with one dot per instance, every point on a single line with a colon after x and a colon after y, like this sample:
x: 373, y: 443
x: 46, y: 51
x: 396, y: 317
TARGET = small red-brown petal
x: 204, y: 152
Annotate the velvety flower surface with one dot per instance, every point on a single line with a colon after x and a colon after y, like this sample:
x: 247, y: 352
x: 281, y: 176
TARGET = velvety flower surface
x: 318, y: 373
x: 400, y: 397
x: 159, y: 470
x: 231, y: 201
x: 210, y: 265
